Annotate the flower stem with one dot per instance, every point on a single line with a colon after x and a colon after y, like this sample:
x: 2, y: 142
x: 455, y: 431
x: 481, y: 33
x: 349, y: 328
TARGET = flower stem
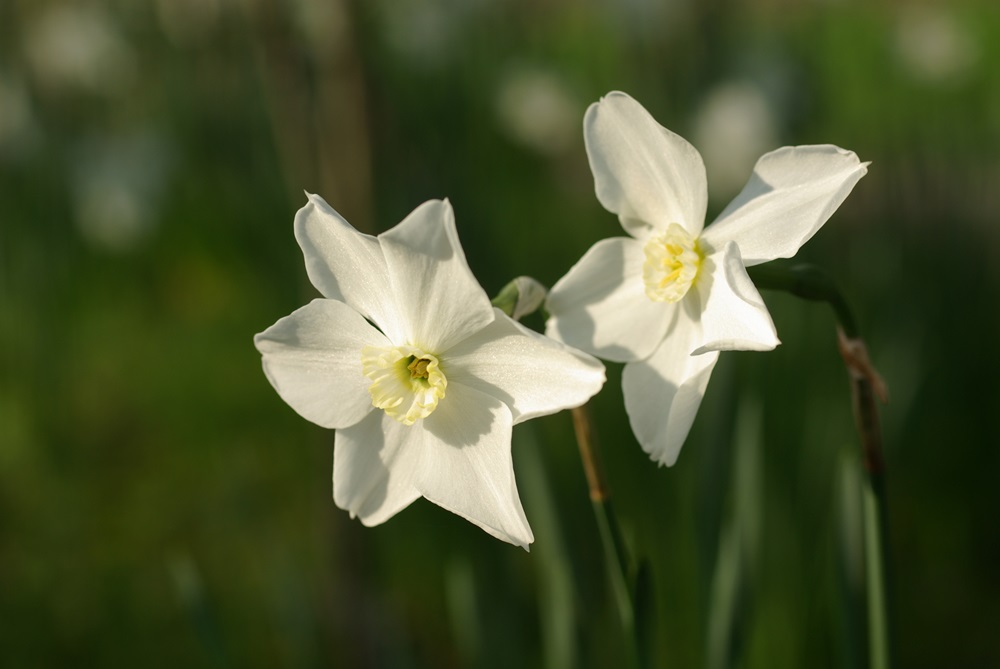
x: 866, y: 386
x: 808, y: 282
x: 812, y: 283
x: 615, y: 553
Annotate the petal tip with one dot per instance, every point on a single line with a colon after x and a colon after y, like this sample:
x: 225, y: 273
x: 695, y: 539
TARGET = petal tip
x: 616, y: 94
x: 665, y: 460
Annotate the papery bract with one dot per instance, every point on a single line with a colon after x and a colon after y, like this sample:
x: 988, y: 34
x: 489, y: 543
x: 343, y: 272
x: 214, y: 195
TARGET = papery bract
x: 668, y: 298
x: 419, y: 375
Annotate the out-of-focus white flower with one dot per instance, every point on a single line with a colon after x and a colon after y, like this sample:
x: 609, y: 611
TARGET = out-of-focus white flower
x: 667, y: 299
x: 420, y: 377
x: 734, y: 125
x: 429, y: 35
x: 932, y: 46
x: 537, y: 109
x: 78, y: 46
x: 18, y: 129
x: 117, y: 183
x: 423, y: 33
x: 325, y: 27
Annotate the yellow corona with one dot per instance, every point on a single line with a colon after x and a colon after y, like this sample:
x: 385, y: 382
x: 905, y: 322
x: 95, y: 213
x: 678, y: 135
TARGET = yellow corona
x: 407, y: 382
x: 673, y: 260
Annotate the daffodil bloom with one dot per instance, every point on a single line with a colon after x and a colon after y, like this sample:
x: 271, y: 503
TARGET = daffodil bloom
x: 419, y: 375
x: 668, y: 298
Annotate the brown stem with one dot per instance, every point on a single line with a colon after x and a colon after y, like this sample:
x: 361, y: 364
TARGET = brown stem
x: 315, y: 96
x: 587, y: 440
x: 866, y: 386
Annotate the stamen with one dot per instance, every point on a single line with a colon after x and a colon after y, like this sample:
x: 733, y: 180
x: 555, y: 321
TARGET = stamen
x: 418, y: 368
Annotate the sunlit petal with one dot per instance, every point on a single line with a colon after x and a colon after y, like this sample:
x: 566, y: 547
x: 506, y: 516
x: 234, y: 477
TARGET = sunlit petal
x: 793, y: 191
x: 346, y: 265
x: 533, y: 375
x: 312, y: 359
x: 439, y: 299
x: 643, y: 172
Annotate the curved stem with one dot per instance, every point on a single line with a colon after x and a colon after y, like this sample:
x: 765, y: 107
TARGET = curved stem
x: 812, y: 283
x: 808, y: 282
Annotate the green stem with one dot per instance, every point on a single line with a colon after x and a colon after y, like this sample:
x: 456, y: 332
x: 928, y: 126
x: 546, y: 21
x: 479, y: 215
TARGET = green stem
x: 615, y: 553
x: 808, y: 282
x: 876, y: 564
x: 812, y: 283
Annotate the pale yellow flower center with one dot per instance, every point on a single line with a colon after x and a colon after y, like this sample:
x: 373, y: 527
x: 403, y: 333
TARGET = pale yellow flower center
x: 407, y: 382
x: 673, y: 260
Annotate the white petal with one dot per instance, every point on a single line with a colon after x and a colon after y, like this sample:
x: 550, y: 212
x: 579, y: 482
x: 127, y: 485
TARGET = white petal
x: 344, y: 264
x: 313, y: 359
x: 601, y: 305
x: 791, y: 194
x: 438, y: 296
x: 643, y: 172
x: 374, y: 464
x: 467, y: 465
x: 733, y: 316
x: 663, y: 393
x: 533, y: 375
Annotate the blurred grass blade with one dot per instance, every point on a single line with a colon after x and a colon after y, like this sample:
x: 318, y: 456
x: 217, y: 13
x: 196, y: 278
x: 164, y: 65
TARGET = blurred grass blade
x: 850, y: 560
x: 645, y: 614
x: 875, y: 563
x: 187, y: 581
x: 731, y: 594
x: 556, y: 599
x: 724, y: 619
x: 463, y: 610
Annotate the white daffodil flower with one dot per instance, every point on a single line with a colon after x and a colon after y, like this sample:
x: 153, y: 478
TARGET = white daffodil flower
x: 419, y: 375
x: 667, y: 299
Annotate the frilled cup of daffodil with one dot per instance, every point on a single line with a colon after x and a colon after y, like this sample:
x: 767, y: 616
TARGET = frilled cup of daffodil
x: 669, y: 297
x: 419, y: 375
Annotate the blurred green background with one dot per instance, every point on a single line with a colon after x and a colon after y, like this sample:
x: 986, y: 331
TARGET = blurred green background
x: 161, y: 506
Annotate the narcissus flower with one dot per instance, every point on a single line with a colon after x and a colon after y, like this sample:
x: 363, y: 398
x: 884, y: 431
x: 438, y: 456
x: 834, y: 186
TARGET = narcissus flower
x: 668, y: 298
x: 419, y: 375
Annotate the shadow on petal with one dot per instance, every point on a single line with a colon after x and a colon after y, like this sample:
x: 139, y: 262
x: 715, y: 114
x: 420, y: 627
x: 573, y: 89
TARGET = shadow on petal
x: 462, y: 421
x: 374, y: 462
x: 733, y: 316
x: 663, y: 393
x: 593, y: 290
